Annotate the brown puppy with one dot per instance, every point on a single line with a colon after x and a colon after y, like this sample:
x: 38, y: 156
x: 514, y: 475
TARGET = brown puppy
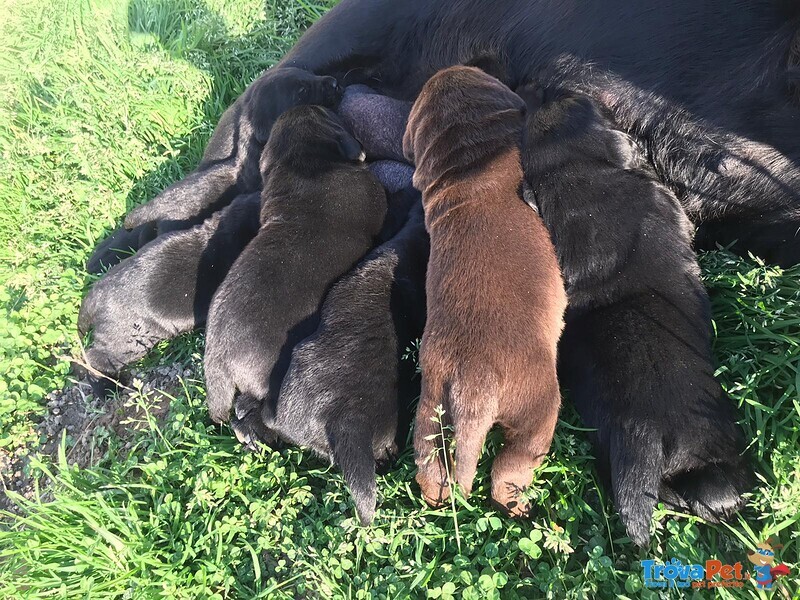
x: 496, y: 299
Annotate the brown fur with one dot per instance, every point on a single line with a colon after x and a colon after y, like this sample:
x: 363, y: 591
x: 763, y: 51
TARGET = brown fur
x: 495, y: 295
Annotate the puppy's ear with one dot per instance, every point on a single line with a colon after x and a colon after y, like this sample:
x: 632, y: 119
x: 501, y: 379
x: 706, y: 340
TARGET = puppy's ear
x: 351, y: 446
x: 350, y: 148
x: 263, y: 106
x: 490, y: 64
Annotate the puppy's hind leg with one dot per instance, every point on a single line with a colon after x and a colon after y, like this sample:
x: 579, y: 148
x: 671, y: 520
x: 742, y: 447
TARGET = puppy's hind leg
x: 473, y: 416
x: 527, y: 441
x: 430, y: 448
x: 220, y: 391
x: 116, y: 343
x: 351, y: 445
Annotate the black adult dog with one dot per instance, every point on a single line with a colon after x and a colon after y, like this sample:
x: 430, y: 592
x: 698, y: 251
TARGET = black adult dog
x: 322, y: 211
x: 120, y: 245
x: 641, y: 279
x: 164, y: 290
x: 709, y: 89
x: 230, y: 164
x: 347, y: 392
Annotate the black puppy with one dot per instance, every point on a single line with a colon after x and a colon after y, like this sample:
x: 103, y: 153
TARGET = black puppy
x: 624, y: 245
x: 164, y: 290
x: 322, y: 210
x: 347, y: 392
x: 230, y: 164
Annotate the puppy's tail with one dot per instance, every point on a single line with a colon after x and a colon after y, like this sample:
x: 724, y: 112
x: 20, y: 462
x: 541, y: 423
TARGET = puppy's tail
x: 220, y: 391
x: 636, y: 467
x: 351, y: 446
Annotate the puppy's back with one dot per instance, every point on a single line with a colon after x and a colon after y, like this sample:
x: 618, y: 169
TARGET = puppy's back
x: 494, y: 290
x: 321, y: 212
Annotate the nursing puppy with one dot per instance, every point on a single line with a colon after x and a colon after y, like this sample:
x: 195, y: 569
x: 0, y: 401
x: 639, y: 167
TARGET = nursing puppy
x: 164, y: 290
x: 380, y: 119
x: 322, y: 211
x: 495, y: 296
x: 347, y: 392
x: 230, y: 163
x: 662, y: 421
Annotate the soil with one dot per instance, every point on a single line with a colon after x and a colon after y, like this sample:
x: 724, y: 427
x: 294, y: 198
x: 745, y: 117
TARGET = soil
x: 88, y: 422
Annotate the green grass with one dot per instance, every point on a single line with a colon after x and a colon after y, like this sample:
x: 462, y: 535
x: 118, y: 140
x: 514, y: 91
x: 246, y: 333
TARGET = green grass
x: 102, y: 104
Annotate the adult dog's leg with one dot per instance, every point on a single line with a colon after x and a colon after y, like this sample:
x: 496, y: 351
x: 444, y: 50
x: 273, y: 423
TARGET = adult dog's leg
x: 190, y: 200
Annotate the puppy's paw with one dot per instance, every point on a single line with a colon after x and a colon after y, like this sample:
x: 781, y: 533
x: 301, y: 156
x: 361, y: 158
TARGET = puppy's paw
x: 508, y: 498
x: 703, y: 475
x: 102, y: 371
x: 120, y: 245
x: 247, y: 425
x: 712, y: 492
x: 433, y: 483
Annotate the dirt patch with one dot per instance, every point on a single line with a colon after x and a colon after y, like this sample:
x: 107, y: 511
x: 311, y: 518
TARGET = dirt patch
x: 87, y: 424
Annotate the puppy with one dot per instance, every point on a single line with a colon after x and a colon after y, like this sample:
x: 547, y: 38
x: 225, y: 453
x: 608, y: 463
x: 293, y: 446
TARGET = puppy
x: 495, y: 296
x: 624, y: 246
x: 393, y: 175
x: 322, y: 211
x: 377, y: 118
x: 230, y: 163
x: 347, y: 392
x: 164, y: 290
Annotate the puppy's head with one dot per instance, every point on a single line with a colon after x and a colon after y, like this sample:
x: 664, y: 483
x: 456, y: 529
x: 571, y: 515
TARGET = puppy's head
x: 310, y: 137
x: 462, y: 116
x: 562, y: 125
x: 282, y: 88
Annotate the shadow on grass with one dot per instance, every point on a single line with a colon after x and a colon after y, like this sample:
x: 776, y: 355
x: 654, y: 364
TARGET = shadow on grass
x: 191, y: 31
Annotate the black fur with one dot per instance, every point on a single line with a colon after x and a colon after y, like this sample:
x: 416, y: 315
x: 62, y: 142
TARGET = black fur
x: 164, y: 290
x: 322, y: 210
x: 707, y: 88
x: 347, y: 392
x: 230, y: 162
x: 624, y: 246
x: 121, y: 244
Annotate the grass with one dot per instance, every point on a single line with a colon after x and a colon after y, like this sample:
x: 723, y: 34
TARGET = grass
x: 102, y: 104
